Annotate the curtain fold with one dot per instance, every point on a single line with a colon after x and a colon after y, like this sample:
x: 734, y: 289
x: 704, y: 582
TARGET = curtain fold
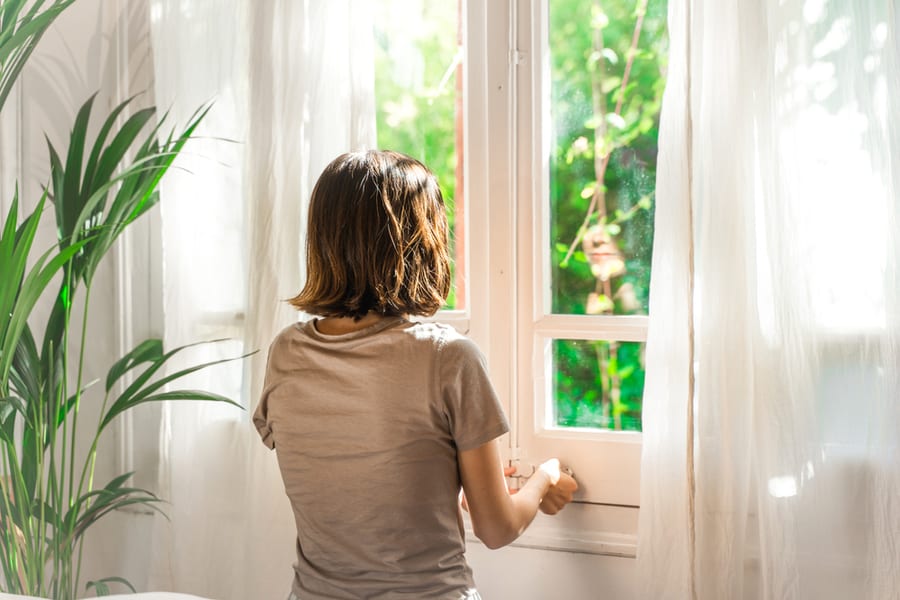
x: 292, y: 87
x: 667, y: 461
x: 771, y: 465
x: 311, y: 98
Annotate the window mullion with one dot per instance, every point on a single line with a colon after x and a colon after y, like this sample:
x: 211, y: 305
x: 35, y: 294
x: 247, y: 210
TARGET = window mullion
x: 623, y: 328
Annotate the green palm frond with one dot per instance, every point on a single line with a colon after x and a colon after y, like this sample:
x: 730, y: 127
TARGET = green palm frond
x: 98, y: 187
x: 20, y: 32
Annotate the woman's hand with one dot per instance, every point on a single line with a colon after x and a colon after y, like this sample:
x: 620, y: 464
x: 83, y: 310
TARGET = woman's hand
x: 499, y: 517
x: 561, y: 492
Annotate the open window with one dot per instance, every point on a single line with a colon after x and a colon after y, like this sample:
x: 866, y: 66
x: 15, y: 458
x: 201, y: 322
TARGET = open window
x: 419, y: 92
x: 540, y: 119
x: 589, y: 88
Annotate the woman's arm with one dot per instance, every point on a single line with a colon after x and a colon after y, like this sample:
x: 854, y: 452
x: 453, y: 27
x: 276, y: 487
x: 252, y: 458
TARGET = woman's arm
x: 498, y: 518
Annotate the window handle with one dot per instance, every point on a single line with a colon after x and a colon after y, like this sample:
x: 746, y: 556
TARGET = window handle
x: 524, y: 471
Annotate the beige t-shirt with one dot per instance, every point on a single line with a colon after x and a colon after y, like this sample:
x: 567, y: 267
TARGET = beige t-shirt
x: 366, y: 427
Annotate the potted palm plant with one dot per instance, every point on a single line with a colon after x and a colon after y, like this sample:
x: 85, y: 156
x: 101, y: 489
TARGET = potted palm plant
x: 97, y: 188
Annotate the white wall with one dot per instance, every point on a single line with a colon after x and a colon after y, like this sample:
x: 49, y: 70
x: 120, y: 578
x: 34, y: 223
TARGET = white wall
x: 75, y: 59
x: 524, y: 573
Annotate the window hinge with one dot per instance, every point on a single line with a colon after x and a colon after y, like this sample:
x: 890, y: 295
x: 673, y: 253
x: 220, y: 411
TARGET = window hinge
x: 517, y: 57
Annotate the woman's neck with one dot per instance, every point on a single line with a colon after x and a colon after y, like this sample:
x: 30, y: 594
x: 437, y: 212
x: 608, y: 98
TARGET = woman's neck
x: 341, y: 325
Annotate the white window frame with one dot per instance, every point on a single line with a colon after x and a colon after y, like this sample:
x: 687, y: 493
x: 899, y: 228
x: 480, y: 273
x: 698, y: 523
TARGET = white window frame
x: 507, y: 144
x: 607, y: 462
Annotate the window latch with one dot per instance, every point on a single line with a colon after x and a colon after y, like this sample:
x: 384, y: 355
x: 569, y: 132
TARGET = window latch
x: 523, y: 471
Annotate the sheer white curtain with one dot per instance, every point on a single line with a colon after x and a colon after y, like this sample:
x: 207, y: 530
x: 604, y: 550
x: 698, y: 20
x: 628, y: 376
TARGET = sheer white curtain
x: 771, y: 463
x: 292, y: 85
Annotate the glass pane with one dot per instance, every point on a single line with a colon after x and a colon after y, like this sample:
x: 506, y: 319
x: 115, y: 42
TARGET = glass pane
x: 418, y: 98
x: 598, y: 384
x: 607, y: 69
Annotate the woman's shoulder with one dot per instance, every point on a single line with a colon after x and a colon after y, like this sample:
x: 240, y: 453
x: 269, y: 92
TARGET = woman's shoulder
x: 429, y: 331
x: 287, y: 334
x: 445, y: 339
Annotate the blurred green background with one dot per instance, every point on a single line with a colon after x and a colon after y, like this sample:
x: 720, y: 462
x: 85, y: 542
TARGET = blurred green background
x: 607, y: 68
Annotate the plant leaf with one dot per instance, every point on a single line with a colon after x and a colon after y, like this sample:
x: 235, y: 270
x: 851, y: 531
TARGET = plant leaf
x: 137, y: 193
x: 17, y: 43
x: 26, y: 366
x: 15, y: 247
x: 68, y: 195
x: 147, y: 351
x: 32, y: 287
x: 94, y: 505
x: 11, y: 403
x: 57, y: 175
x: 91, y: 166
x: 113, y: 154
x: 121, y: 406
x: 139, y: 389
x: 101, y: 587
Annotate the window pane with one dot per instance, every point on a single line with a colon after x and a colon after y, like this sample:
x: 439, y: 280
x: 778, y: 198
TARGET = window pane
x: 418, y: 97
x: 598, y: 384
x: 605, y: 95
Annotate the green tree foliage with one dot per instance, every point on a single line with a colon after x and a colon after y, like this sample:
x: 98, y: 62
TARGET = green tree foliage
x: 416, y: 58
x: 607, y: 68
x: 608, y: 60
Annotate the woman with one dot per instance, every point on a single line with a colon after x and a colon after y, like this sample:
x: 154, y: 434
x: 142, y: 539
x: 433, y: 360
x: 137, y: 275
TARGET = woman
x: 376, y: 420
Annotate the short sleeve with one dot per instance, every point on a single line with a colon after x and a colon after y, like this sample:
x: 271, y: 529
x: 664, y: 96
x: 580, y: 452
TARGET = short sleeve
x: 261, y: 414
x: 470, y: 403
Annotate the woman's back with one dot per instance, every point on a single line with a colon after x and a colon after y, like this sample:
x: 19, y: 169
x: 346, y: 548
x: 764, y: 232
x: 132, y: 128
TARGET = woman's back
x: 367, y: 427
x: 378, y: 425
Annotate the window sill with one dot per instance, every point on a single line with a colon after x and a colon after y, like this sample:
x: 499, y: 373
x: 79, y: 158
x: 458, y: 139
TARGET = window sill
x: 580, y: 528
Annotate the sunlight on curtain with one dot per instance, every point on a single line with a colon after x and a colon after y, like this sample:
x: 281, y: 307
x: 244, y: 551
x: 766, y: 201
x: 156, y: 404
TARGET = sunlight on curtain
x: 774, y: 472
x: 291, y: 85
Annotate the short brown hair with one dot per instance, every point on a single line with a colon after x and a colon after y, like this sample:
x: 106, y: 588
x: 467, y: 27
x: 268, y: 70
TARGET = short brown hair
x: 377, y: 239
